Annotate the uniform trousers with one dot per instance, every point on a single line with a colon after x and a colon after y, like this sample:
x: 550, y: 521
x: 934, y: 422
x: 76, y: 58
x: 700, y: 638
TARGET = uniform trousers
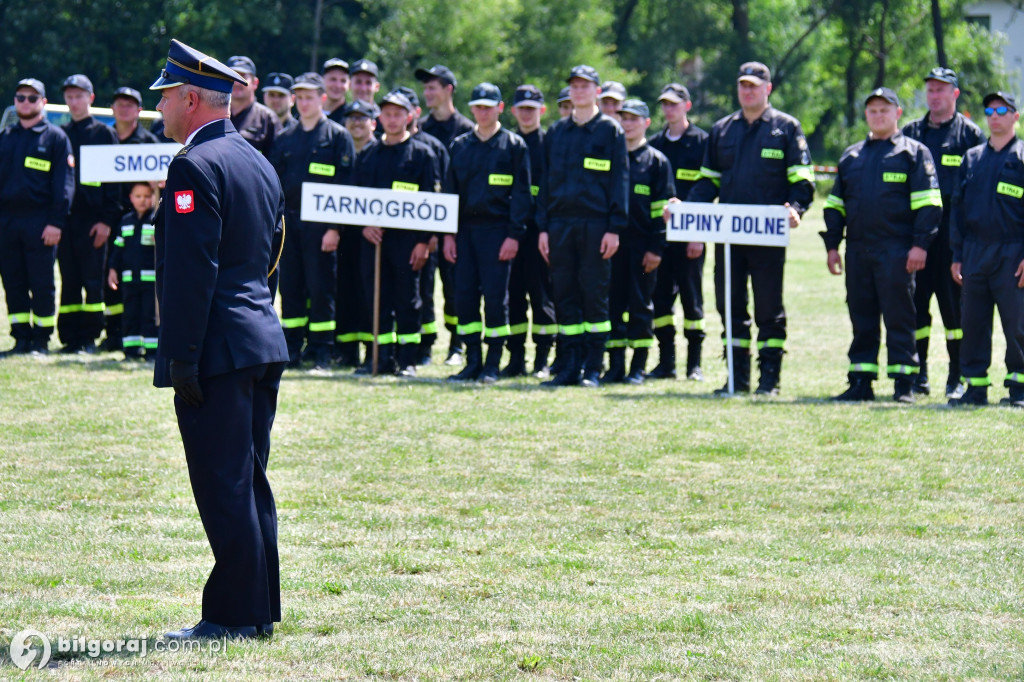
x: 428, y: 316
x: 878, y: 284
x: 399, y: 287
x: 353, y: 322
x: 529, y: 278
x: 80, y: 320
x: 764, y: 267
x: 478, y: 271
x: 684, y: 276
x: 580, y: 280
x: 307, y: 273
x: 630, y: 298
x: 113, y: 304
x: 446, y: 271
x: 989, y: 281
x: 26, y: 266
x: 227, y: 448
x: 138, y: 331
x: 935, y: 279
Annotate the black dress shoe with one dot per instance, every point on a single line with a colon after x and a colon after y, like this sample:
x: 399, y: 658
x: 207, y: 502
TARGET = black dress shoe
x: 204, y: 629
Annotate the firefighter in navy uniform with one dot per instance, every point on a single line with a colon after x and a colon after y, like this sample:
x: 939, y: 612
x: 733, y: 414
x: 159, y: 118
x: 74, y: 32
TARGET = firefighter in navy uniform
x: 95, y: 212
x: 336, y: 81
x: 221, y: 346
x: 37, y: 183
x: 278, y: 97
x: 886, y: 198
x: 581, y: 209
x: 445, y: 123
x: 315, y: 150
x: 490, y: 172
x: 530, y: 276
x: 757, y: 155
x: 682, y: 265
x: 987, y: 237
x: 948, y: 135
x: 402, y: 163
x: 635, y: 265
x: 255, y: 122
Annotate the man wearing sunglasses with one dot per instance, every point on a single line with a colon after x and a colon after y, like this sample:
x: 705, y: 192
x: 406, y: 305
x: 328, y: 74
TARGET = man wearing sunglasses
x: 948, y: 135
x: 37, y: 183
x: 987, y: 236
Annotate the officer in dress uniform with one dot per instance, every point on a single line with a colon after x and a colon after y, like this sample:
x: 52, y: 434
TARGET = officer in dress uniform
x: 256, y: 123
x: 37, y: 182
x: 221, y: 345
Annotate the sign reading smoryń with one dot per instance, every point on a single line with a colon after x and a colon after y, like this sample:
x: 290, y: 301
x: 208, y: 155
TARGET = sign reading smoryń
x: 751, y: 224
x: 402, y: 207
x: 127, y: 162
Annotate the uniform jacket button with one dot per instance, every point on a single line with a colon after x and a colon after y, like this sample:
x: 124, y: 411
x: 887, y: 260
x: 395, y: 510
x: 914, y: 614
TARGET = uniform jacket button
x: 192, y: 347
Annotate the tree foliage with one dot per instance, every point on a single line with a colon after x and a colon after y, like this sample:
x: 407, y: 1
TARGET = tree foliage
x: 824, y: 55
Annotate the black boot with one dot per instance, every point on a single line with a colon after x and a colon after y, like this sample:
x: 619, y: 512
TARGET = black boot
x: 919, y: 383
x: 666, y: 367
x: 540, y: 359
x: 616, y: 373
x: 903, y: 389
x: 693, y: 370
x: 974, y: 395
x: 426, y: 345
x: 489, y: 372
x: 637, y: 366
x: 321, y: 354
x: 454, y: 357
x: 21, y: 347
x: 516, y: 366
x: 408, y: 354
x: 954, y: 389
x: 559, y: 362
x: 347, y: 354
x: 771, y: 368
x: 1016, y: 398
x: 859, y: 391
x: 571, y: 357
x: 474, y: 363
x: 741, y: 373
x: 595, y: 343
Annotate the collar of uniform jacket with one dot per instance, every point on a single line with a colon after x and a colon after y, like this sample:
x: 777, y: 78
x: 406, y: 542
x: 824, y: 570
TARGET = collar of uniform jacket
x: 766, y: 116
x: 939, y: 126
x: 589, y: 125
x: 893, y: 139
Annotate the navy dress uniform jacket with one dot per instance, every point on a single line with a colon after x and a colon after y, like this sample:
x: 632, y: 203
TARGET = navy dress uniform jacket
x: 213, y: 252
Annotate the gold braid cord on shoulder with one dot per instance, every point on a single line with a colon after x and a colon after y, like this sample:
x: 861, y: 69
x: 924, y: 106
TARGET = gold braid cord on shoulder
x: 279, y: 251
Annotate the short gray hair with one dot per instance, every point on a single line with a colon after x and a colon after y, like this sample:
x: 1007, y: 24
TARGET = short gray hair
x: 212, y: 98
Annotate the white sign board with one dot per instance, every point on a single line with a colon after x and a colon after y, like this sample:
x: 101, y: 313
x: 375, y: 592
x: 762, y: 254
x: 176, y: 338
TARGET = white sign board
x: 750, y: 224
x: 406, y: 210
x: 127, y: 162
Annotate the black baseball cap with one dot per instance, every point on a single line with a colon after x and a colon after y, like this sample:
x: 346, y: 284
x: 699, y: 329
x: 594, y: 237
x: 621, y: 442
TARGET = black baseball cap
x: 439, y: 71
x: 485, y: 95
x: 563, y: 96
x: 310, y: 80
x: 242, y: 64
x: 675, y: 93
x: 1009, y: 99
x: 585, y: 72
x: 754, y: 72
x: 397, y: 98
x: 278, y: 82
x: 940, y: 73
x: 78, y: 80
x: 365, y: 66
x: 528, y: 96
x: 410, y: 95
x: 33, y: 83
x: 613, y: 90
x: 130, y: 93
x: 883, y: 93
x: 361, y: 108
x: 335, y: 63
x: 637, y: 107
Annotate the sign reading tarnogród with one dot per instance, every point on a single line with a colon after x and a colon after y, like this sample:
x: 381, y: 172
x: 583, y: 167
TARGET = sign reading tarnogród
x: 398, y: 208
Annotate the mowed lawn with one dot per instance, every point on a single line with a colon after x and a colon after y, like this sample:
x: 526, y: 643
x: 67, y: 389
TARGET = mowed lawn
x: 434, y: 532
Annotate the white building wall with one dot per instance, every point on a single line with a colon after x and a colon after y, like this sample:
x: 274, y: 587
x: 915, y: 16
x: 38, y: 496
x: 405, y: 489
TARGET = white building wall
x: 1008, y: 19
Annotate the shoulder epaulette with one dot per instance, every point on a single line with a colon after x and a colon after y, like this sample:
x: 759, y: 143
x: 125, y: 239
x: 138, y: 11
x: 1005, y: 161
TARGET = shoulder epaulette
x: 184, y: 150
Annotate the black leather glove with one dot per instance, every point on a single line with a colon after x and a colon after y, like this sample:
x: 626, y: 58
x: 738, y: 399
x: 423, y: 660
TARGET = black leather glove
x: 185, y: 380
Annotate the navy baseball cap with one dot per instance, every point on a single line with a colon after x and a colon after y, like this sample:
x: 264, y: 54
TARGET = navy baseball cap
x: 438, y: 71
x: 943, y: 74
x: 335, y: 63
x: 130, y: 93
x: 1009, y: 99
x: 485, y: 95
x: 242, y: 64
x: 754, y: 72
x: 310, y: 80
x: 883, y: 93
x: 585, y: 72
x: 410, y: 95
x: 365, y: 66
x: 361, y: 108
x: 187, y: 65
x: 613, y: 90
x: 637, y: 107
x: 278, y: 82
x: 78, y: 80
x: 563, y: 95
x: 33, y: 83
x: 674, y: 93
x: 528, y: 96
x: 398, y: 99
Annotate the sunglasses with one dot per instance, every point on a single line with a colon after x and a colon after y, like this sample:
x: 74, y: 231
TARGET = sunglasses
x: 31, y: 98
x: 1002, y: 111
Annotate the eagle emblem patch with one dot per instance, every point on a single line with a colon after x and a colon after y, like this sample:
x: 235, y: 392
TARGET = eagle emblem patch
x: 183, y: 202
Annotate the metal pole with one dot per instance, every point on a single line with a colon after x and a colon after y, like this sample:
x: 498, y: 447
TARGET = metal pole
x: 376, y: 307
x: 728, y: 318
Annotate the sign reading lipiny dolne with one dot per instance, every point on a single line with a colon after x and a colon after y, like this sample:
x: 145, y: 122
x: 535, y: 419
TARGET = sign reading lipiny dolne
x: 750, y: 224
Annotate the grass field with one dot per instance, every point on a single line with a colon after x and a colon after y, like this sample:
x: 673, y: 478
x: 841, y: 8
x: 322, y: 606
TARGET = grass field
x: 517, y: 533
